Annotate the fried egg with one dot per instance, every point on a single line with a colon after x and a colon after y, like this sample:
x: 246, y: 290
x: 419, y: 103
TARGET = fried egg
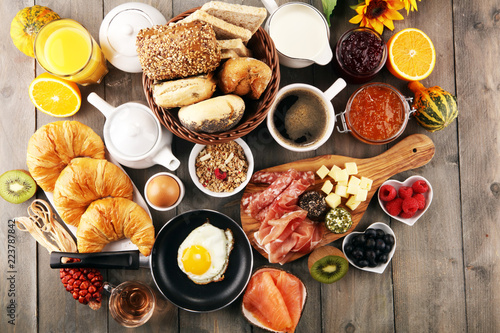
x: 203, y: 256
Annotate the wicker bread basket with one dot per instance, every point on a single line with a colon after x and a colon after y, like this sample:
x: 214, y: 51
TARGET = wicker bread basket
x: 263, y: 49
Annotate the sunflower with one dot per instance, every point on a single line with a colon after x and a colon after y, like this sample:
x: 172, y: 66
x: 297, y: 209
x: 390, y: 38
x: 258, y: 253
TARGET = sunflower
x: 377, y: 13
x: 410, y: 4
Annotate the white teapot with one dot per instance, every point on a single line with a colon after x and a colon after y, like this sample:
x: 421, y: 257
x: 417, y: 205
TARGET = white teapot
x: 134, y: 136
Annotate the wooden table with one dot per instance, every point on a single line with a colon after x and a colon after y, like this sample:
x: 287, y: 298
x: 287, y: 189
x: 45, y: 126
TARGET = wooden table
x: 444, y: 274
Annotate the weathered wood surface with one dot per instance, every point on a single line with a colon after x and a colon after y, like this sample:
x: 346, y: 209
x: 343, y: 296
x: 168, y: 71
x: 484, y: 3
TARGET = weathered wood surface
x: 444, y: 274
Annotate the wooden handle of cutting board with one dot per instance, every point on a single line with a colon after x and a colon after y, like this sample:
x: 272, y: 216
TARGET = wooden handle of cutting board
x: 412, y: 152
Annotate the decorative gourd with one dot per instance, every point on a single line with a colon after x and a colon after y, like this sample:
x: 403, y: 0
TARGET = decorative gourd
x: 435, y: 107
x: 27, y: 23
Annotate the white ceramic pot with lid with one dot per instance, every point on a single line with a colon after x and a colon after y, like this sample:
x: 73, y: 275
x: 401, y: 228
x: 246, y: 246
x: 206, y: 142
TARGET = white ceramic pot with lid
x: 300, y: 33
x: 118, y: 32
x: 134, y: 136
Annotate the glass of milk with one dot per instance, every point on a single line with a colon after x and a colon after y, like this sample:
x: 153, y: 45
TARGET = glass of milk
x: 300, y: 33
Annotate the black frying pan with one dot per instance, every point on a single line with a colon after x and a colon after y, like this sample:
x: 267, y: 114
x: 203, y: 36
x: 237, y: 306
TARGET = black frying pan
x: 168, y: 277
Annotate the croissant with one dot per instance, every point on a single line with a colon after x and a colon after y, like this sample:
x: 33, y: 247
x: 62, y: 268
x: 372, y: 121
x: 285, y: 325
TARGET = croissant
x: 85, y: 180
x: 111, y: 219
x: 54, y: 145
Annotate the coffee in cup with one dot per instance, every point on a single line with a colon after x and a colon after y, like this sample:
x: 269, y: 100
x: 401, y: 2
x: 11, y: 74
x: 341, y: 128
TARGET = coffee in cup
x: 302, y: 117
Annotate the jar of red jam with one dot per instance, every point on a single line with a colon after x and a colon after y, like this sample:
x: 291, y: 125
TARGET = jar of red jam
x: 360, y: 54
x: 376, y: 113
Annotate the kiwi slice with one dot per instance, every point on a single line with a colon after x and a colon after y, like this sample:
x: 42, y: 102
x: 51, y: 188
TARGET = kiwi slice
x: 17, y: 186
x: 327, y: 264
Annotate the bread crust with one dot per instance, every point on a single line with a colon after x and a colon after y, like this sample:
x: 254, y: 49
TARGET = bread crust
x: 247, y: 17
x: 111, y: 219
x: 183, y: 92
x: 244, y: 77
x: 54, y: 145
x: 213, y: 115
x: 85, y: 180
x: 169, y: 52
x: 223, y: 29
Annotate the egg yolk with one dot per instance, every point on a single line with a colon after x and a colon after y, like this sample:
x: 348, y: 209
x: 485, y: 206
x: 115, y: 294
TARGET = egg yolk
x: 196, y: 259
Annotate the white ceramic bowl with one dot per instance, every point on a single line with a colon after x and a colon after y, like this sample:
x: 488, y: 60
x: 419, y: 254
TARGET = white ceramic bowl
x: 397, y: 184
x: 192, y: 170
x: 380, y: 268
x: 181, y: 189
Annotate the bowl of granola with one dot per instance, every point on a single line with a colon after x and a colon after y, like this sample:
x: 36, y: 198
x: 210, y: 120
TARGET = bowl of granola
x: 221, y: 170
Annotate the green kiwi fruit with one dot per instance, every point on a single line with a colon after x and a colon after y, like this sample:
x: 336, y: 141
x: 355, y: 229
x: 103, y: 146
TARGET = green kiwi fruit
x: 17, y: 186
x: 327, y: 264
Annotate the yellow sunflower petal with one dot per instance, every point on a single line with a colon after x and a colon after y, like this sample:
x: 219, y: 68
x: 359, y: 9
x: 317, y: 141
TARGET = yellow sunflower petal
x: 388, y: 23
x: 393, y: 15
x: 377, y: 26
x: 356, y: 19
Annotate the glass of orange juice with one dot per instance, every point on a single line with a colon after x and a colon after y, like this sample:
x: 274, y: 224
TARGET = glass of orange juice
x: 65, y: 48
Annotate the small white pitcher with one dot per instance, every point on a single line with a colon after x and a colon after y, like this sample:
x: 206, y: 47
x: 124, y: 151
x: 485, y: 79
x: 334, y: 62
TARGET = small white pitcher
x: 134, y: 136
x: 300, y: 33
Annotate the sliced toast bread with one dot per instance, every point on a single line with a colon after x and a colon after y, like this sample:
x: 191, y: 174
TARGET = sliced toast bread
x: 223, y: 29
x: 231, y: 48
x: 247, y: 17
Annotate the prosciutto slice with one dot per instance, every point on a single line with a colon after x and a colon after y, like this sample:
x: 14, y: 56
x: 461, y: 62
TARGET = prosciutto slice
x: 284, y: 227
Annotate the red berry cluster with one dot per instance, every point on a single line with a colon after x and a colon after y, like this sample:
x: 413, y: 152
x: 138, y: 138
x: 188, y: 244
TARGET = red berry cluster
x: 85, y: 284
x: 406, y: 201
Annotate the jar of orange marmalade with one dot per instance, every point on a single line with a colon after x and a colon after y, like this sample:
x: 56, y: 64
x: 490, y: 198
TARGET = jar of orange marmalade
x: 376, y: 113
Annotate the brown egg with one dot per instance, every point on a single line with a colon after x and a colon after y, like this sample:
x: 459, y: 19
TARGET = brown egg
x: 163, y: 191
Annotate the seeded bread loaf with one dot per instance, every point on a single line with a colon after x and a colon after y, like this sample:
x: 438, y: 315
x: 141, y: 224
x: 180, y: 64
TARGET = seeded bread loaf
x: 176, y: 51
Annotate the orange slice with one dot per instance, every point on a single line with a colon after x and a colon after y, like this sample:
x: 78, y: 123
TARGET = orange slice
x: 411, y: 55
x: 55, y: 96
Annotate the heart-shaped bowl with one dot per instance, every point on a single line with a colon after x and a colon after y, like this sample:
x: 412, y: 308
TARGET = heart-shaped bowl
x: 381, y: 267
x: 408, y: 182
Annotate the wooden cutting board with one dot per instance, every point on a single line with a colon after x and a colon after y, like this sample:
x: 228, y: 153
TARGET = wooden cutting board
x: 410, y: 153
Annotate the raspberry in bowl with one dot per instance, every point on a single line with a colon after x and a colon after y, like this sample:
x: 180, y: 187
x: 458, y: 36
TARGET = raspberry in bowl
x: 405, y: 201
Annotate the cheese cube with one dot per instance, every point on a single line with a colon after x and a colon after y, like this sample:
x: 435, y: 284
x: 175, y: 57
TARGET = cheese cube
x: 333, y: 200
x: 361, y: 195
x: 351, y: 168
x: 366, y: 183
x: 353, y: 185
x: 352, y: 203
x: 327, y: 187
x: 341, y: 191
x: 342, y: 175
x: 333, y: 172
x: 342, y: 183
x: 322, y: 172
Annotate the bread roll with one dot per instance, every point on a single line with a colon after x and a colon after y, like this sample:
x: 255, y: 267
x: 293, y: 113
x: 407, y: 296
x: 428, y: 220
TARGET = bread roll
x: 85, y: 180
x: 244, y: 77
x: 169, y: 52
x: 54, y: 145
x: 111, y: 219
x: 182, y: 92
x: 213, y: 115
